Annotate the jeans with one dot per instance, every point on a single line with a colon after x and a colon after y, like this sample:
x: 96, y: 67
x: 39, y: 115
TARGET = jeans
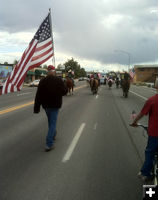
x: 52, y: 114
x: 152, y: 147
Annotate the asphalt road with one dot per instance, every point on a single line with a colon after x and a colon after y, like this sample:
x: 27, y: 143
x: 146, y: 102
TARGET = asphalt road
x: 96, y: 157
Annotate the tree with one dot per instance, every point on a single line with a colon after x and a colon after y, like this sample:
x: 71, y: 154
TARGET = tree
x: 83, y: 72
x: 112, y: 73
x: 74, y: 66
x: 15, y: 62
x: 59, y: 66
x: 5, y: 63
x: 45, y: 66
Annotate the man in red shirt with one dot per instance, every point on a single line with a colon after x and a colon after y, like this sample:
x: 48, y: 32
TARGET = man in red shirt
x: 150, y: 108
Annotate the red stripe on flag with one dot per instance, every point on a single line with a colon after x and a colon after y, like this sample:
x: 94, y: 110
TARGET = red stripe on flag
x: 12, y: 88
x: 31, y: 67
x: 40, y: 44
x: 16, y: 69
x: 25, y: 63
x: 21, y: 60
x: 39, y: 63
x: 6, y: 86
x: 20, y: 82
x: 44, y: 46
x: 41, y: 55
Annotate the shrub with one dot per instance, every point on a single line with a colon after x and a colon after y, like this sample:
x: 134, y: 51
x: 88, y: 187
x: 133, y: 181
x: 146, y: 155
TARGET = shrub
x: 142, y: 83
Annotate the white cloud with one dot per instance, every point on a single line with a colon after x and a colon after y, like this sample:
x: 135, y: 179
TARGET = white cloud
x: 112, y: 20
x: 88, y: 30
x: 12, y: 41
x: 10, y: 57
x: 154, y: 11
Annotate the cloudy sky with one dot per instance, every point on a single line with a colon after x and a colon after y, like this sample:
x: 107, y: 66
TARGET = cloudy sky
x: 99, y: 34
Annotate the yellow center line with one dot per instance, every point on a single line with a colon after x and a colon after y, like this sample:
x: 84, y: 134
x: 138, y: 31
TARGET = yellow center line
x: 80, y: 87
x: 16, y: 107
x: 24, y: 105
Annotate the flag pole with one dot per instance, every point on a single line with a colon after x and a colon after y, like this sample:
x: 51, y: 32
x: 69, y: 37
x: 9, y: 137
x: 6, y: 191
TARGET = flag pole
x: 53, y: 60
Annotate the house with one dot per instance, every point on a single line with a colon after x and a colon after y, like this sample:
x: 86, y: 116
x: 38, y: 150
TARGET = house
x: 35, y: 73
x: 145, y: 73
x: 5, y: 70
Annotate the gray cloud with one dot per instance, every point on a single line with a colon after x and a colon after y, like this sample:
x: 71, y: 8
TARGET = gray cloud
x: 92, y: 29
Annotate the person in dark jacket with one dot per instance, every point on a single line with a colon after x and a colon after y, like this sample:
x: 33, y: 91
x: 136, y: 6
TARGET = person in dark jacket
x: 49, y: 94
x: 126, y: 76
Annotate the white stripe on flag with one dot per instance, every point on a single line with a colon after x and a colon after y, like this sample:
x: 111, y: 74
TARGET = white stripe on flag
x: 9, y: 87
x: 15, y: 89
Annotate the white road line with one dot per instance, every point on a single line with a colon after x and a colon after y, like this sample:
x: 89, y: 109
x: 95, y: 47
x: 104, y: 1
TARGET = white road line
x: 95, y: 126
x: 139, y: 95
x: 24, y: 93
x: 155, y: 181
x: 73, y: 143
x: 146, y: 88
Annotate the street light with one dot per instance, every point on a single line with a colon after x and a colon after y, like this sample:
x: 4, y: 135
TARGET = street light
x: 127, y: 53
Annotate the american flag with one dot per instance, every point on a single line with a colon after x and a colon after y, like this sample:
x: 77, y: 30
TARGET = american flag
x: 132, y: 73
x: 39, y: 51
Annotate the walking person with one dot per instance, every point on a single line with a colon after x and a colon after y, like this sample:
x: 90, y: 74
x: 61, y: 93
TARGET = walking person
x: 49, y: 94
x: 150, y: 108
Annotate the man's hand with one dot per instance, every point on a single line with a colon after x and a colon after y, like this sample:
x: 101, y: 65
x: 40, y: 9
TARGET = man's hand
x: 134, y: 124
x: 138, y: 117
x: 36, y: 112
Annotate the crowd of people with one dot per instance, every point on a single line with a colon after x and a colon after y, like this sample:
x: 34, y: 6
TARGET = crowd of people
x: 49, y: 95
x: 109, y: 79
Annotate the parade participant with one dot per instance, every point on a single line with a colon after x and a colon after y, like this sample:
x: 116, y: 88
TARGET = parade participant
x: 71, y: 75
x: 96, y: 76
x: 110, y: 82
x: 126, y: 76
x: 49, y: 94
x: 91, y: 76
x: 117, y: 81
x: 125, y: 84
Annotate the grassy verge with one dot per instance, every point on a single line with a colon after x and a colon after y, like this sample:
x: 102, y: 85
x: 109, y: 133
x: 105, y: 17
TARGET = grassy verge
x: 150, y: 85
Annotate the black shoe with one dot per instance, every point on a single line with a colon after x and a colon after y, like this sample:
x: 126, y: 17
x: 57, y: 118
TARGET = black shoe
x: 144, y: 178
x: 49, y: 148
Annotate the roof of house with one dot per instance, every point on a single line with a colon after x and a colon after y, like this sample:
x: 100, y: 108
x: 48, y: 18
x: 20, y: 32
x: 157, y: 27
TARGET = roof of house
x: 146, y: 66
x: 6, y: 65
